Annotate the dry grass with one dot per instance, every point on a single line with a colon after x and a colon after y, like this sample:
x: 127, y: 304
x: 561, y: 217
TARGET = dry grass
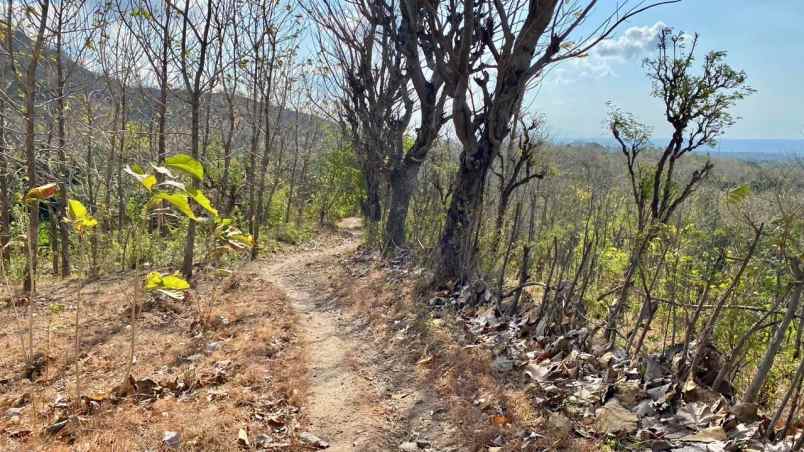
x: 253, y: 381
x: 480, y: 402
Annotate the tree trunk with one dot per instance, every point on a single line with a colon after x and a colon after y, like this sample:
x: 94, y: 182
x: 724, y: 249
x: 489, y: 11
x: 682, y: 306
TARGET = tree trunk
x: 5, y: 198
x: 121, y: 193
x: 292, y: 187
x: 161, y: 151
x: 403, y: 184
x: 456, y: 259
x: 189, y: 244
x: 91, y: 195
x: 61, y: 210
x: 29, y: 90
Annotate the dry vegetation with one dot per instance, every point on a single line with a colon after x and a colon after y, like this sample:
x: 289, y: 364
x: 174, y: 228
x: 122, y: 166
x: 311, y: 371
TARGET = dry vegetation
x: 489, y: 409
x: 224, y: 360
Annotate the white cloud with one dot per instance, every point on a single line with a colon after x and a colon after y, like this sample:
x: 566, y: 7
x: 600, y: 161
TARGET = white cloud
x: 634, y: 43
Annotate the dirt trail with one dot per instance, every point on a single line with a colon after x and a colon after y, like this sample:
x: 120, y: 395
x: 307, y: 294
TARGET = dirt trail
x: 361, y: 396
x: 342, y: 403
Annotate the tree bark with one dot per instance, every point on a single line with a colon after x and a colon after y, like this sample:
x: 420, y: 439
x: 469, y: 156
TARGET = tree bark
x: 764, y: 367
x: 189, y: 244
x: 403, y: 184
x: 456, y: 262
x: 5, y: 196
x: 64, y: 234
x: 28, y: 114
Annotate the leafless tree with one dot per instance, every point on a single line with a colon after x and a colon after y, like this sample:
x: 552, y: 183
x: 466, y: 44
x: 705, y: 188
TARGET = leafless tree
x: 487, y: 53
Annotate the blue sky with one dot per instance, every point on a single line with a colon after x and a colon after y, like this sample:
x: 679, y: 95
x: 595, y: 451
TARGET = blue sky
x: 763, y: 38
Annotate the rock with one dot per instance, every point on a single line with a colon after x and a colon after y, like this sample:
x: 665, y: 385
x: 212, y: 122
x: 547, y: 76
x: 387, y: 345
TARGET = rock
x: 313, y: 440
x: 409, y: 446
x: 745, y: 412
x: 242, y: 438
x: 171, y: 440
x: 612, y: 418
x: 423, y: 443
x: 659, y: 392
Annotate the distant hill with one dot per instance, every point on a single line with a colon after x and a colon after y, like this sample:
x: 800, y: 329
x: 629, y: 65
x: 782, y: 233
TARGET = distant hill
x: 141, y: 99
x: 749, y: 149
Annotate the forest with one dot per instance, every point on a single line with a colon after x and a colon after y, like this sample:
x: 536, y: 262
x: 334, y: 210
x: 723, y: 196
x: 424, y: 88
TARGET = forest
x: 184, y: 184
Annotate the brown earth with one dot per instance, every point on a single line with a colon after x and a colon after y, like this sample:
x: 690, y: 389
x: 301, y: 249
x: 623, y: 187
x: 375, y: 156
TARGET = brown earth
x: 316, y: 340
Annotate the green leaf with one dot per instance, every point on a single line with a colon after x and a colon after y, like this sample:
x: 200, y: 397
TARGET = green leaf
x: 199, y: 197
x: 173, y: 282
x: 147, y: 180
x: 187, y: 165
x: 76, y: 210
x: 738, y: 194
x: 178, y: 200
x: 78, y: 215
x: 153, y: 280
x: 41, y: 192
x: 169, y: 285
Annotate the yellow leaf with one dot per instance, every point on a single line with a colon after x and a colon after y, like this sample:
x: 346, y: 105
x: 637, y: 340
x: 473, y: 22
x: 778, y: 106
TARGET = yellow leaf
x: 42, y: 192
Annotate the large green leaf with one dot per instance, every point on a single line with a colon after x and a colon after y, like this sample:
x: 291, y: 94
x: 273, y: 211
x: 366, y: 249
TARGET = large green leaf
x: 153, y: 280
x: 79, y: 216
x: 170, y: 285
x: 76, y: 210
x: 187, y: 165
x: 178, y: 200
x: 173, y: 282
x: 199, y: 197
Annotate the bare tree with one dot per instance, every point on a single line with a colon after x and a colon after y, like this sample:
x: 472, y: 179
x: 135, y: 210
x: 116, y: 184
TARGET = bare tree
x: 488, y: 52
x: 35, y: 16
x: 367, y: 68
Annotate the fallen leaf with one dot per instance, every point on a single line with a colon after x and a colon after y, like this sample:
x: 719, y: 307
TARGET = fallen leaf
x: 612, y: 418
x: 242, y: 438
x: 709, y: 435
x: 500, y: 421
